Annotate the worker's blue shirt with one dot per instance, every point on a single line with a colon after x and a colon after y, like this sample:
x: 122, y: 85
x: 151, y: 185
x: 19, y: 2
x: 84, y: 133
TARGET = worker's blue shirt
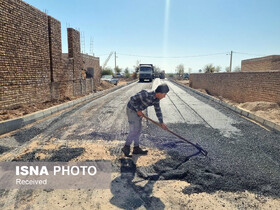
x: 142, y: 100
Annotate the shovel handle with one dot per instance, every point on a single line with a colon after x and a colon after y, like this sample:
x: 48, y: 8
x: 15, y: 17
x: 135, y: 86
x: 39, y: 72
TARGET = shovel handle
x: 158, y: 124
x: 202, y: 151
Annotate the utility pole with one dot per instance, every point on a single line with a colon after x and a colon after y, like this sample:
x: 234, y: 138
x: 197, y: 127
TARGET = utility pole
x: 115, y: 61
x: 230, y: 66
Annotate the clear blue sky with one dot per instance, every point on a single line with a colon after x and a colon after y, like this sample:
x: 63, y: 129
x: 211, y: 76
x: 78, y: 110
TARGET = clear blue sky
x: 167, y: 33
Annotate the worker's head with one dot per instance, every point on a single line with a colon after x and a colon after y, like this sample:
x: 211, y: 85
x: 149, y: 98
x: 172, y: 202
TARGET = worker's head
x: 161, y: 91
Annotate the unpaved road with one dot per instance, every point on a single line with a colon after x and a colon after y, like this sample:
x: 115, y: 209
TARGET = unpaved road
x: 242, y: 170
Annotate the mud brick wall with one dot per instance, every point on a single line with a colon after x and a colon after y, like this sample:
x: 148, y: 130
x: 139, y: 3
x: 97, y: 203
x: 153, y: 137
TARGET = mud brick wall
x: 261, y: 64
x: 24, y: 54
x: 240, y: 86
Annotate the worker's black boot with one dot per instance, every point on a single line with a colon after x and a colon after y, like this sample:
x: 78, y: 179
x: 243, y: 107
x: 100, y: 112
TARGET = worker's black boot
x: 138, y: 151
x: 126, y: 150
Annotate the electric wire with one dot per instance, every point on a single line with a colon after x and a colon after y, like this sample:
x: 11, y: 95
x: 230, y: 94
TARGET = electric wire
x: 167, y: 57
x: 185, y: 56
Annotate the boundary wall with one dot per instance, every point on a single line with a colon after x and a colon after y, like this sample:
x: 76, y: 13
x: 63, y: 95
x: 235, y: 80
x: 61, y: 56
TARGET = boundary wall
x: 240, y: 86
x: 32, y: 68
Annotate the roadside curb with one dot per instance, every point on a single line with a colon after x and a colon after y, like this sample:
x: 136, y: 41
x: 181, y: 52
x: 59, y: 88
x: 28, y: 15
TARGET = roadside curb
x: 262, y: 121
x: 17, y: 123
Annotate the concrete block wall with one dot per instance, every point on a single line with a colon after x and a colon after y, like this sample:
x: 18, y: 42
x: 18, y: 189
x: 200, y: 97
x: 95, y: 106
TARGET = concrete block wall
x: 240, y: 86
x: 267, y: 63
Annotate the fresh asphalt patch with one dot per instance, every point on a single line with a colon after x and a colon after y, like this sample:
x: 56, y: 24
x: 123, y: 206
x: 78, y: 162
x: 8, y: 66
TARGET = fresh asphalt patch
x: 4, y: 149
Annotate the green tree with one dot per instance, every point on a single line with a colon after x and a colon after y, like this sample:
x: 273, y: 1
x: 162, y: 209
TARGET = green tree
x: 126, y: 73
x: 107, y: 71
x: 209, y: 68
x: 118, y: 69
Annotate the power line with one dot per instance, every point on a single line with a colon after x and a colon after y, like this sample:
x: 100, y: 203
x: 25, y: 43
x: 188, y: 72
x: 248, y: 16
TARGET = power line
x: 249, y: 54
x: 102, y: 55
x: 187, y: 56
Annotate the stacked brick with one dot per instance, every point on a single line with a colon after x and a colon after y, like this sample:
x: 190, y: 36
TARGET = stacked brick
x: 268, y: 63
x: 240, y: 87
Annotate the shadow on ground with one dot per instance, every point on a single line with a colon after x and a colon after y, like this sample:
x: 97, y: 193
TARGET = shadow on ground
x: 128, y: 195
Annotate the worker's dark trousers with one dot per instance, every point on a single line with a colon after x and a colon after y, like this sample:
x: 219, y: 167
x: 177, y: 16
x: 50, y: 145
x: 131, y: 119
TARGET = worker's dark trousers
x: 135, y: 127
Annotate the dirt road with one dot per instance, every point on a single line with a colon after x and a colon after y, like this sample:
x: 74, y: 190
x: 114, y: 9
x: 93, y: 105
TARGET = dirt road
x: 242, y: 170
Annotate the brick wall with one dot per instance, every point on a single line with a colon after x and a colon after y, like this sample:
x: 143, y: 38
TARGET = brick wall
x: 24, y: 54
x: 81, y: 85
x: 261, y: 64
x: 32, y: 67
x: 240, y: 86
x: 74, y: 51
x: 92, y: 62
x: 89, y: 85
x: 56, y: 69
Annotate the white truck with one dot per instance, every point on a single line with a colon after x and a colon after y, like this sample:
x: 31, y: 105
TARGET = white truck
x: 146, y: 72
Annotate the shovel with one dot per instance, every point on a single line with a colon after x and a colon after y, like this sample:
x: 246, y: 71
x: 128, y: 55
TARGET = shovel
x: 197, y: 146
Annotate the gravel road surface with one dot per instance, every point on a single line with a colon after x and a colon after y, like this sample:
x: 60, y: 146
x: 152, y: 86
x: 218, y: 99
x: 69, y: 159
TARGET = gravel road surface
x: 242, y: 156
